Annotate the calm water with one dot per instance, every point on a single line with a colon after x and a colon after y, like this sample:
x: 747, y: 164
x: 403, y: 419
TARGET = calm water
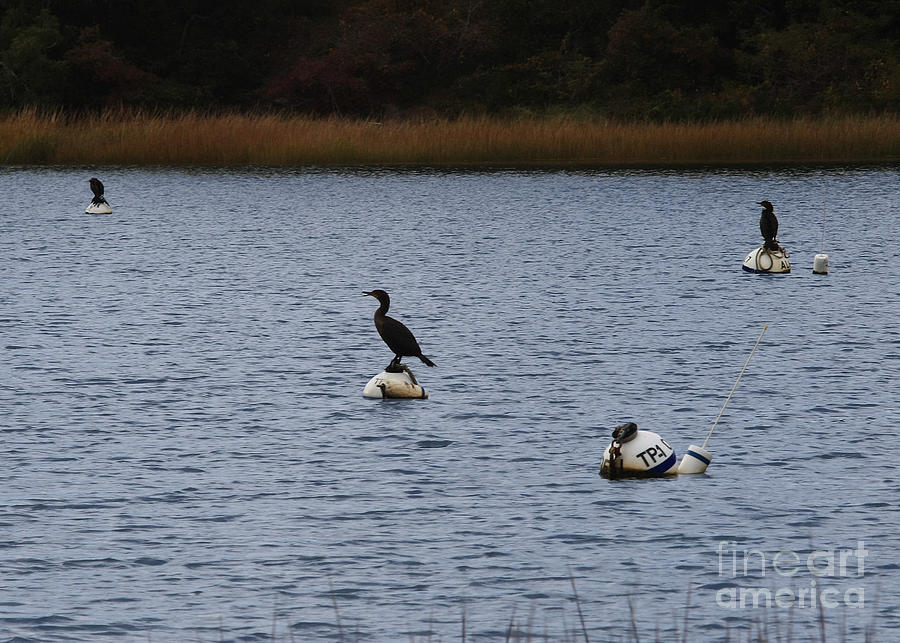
x: 188, y: 456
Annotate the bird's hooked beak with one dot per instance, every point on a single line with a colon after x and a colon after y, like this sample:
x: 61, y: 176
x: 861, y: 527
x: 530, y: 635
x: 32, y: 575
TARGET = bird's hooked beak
x: 369, y: 294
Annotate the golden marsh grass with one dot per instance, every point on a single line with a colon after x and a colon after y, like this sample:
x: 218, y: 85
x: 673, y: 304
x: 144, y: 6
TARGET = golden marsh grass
x: 114, y: 138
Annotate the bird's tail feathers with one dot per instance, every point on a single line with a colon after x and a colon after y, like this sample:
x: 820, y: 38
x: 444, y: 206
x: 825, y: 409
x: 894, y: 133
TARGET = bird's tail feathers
x: 427, y: 361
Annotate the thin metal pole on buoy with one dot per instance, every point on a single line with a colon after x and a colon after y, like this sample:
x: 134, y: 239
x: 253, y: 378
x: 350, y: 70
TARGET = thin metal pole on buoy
x: 746, y: 364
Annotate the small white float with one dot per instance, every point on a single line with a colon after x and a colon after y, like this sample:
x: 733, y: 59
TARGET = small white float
x: 98, y: 208
x: 695, y: 460
x: 390, y: 383
x: 766, y: 261
x: 820, y: 264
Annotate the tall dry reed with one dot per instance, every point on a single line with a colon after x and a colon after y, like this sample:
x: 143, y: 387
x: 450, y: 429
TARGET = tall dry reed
x: 32, y: 137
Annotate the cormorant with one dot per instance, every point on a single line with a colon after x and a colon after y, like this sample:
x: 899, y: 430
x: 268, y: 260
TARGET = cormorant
x: 97, y: 189
x: 768, y: 225
x: 397, y: 336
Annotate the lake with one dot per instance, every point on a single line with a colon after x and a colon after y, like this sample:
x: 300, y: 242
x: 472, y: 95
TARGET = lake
x: 188, y: 455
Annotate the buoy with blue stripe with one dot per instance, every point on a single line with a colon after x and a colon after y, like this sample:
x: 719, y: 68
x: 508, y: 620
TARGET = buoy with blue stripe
x: 635, y: 453
x: 644, y: 454
x: 695, y: 460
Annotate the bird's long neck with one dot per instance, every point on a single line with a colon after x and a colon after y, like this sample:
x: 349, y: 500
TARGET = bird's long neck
x: 383, y: 308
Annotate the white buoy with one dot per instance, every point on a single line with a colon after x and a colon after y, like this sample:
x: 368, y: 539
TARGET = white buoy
x: 820, y: 264
x: 638, y: 454
x: 765, y: 261
x: 395, y: 384
x: 695, y: 460
x: 98, y: 208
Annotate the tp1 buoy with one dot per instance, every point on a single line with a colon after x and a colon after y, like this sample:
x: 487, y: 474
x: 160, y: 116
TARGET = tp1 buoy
x: 644, y: 454
x: 635, y: 453
x: 766, y: 261
x: 396, y: 381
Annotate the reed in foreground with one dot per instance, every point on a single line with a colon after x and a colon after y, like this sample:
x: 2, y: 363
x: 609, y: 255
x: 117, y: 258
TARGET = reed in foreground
x: 29, y: 137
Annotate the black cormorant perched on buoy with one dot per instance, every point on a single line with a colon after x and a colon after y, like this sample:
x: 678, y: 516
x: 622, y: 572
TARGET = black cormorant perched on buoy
x: 768, y: 225
x: 770, y: 257
x: 397, y: 336
x: 97, y: 189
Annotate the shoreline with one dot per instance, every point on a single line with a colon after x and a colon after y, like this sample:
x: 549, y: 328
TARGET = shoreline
x: 30, y: 137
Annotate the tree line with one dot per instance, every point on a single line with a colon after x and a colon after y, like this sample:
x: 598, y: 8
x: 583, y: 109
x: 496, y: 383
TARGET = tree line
x: 629, y: 59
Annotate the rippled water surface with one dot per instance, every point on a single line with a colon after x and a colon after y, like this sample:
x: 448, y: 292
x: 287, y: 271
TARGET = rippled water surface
x: 188, y: 455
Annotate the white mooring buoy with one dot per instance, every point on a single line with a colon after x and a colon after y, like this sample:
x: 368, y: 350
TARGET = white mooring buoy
x: 98, y: 208
x: 765, y: 261
x: 820, y: 264
x: 635, y: 453
x: 392, y: 383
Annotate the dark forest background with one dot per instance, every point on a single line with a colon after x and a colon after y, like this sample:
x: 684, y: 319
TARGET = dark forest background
x: 635, y: 59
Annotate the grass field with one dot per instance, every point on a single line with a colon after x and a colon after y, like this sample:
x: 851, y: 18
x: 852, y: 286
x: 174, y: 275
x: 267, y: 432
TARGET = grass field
x: 134, y: 138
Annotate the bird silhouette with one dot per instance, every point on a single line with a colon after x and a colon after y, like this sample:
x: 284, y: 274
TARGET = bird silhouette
x: 397, y: 336
x: 768, y: 225
x: 97, y: 189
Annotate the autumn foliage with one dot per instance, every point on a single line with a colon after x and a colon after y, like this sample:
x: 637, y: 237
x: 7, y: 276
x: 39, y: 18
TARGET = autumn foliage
x: 382, y: 59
